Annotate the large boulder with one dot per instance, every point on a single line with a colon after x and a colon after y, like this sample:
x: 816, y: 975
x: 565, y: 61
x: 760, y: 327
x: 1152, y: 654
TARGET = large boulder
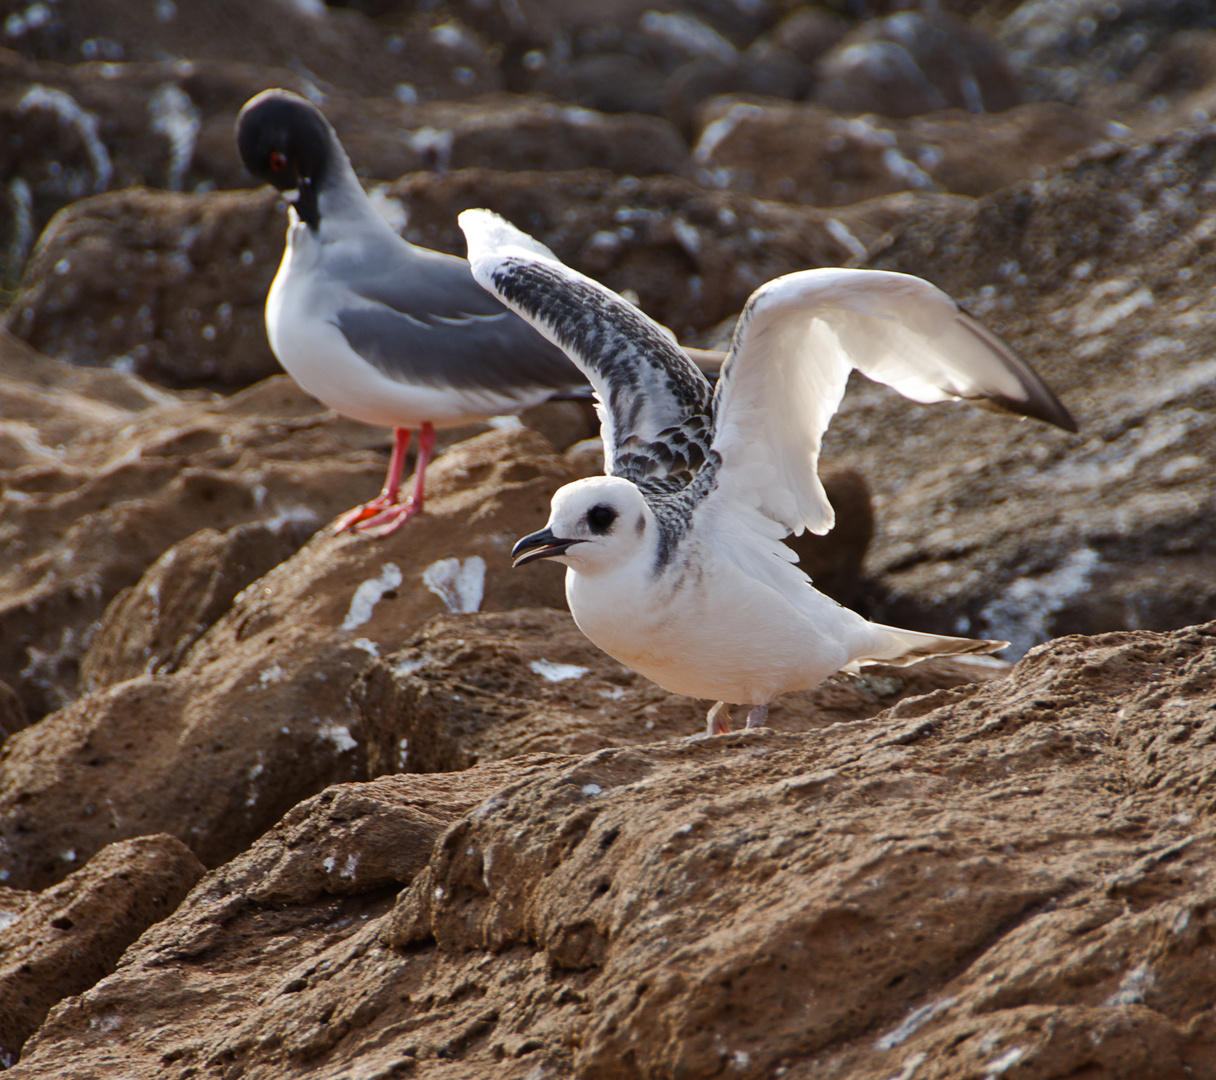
x: 1015, y: 873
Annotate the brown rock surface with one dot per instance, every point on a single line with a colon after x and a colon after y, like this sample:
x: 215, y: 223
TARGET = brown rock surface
x: 149, y: 627
x: 65, y: 939
x: 810, y: 154
x: 1011, y: 874
x: 105, y: 472
x: 168, y: 285
x: 334, y: 46
x: 1101, y: 278
x: 255, y: 717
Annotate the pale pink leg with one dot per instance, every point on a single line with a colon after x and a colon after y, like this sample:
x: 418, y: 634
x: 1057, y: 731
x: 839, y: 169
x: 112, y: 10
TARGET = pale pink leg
x: 757, y: 717
x: 393, y: 517
x: 389, y: 493
x: 717, y: 722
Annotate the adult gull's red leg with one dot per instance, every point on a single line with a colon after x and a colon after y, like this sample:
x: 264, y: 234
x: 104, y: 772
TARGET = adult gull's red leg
x: 393, y: 517
x: 392, y: 485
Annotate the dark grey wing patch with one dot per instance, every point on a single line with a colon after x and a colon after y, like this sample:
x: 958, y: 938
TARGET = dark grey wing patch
x: 650, y: 389
x: 500, y: 353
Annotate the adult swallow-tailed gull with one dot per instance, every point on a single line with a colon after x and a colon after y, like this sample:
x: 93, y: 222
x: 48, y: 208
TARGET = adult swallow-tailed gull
x: 378, y: 329
x: 675, y: 564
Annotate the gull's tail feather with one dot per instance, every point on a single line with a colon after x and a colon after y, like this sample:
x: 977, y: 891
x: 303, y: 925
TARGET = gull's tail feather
x: 900, y: 648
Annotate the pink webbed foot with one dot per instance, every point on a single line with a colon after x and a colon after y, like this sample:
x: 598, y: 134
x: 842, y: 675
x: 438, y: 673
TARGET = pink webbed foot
x: 385, y: 514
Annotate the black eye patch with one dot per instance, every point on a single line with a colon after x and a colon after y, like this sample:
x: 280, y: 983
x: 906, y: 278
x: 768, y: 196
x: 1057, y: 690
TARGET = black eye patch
x: 600, y: 518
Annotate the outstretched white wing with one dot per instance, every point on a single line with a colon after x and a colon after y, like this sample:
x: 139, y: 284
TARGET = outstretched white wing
x: 645, y: 383
x: 795, y: 344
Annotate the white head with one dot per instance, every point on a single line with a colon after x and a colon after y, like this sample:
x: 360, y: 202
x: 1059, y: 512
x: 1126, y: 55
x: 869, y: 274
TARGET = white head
x: 595, y: 526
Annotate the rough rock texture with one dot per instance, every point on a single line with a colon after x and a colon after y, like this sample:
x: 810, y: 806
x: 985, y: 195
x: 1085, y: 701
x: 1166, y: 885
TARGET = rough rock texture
x: 916, y: 62
x: 1100, y: 277
x: 103, y: 473
x: 474, y: 688
x: 1068, y: 48
x: 342, y: 47
x: 149, y: 628
x: 65, y: 939
x: 1004, y: 879
x: 810, y: 154
x: 168, y: 285
x: 255, y: 717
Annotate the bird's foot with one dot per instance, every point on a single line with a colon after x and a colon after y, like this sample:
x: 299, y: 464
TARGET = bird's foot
x: 757, y: 717
x: 352, y: 518
x: 717, y: 722
x: 388, y: 520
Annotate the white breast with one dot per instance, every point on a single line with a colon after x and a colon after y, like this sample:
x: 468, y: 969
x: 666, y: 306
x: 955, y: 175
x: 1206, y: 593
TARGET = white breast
x: 707, y: 630
x: 299, y: 322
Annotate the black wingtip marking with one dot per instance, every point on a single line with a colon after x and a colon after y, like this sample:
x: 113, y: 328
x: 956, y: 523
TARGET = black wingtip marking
x: 1039, y: 403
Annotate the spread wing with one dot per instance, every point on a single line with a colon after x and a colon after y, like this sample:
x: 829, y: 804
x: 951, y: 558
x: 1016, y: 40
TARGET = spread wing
x: 795, y: 344
x: 653, y: 401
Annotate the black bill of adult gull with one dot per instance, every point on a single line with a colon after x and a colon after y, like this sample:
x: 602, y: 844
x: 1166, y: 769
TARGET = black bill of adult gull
x: 675, y: 561
x: 377, y: 328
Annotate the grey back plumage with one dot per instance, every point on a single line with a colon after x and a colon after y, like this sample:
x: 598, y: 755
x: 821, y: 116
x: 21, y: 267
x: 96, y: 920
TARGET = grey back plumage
x: 419, y: 317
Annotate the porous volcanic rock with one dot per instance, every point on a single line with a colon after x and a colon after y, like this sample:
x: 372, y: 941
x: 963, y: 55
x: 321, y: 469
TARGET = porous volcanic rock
x: 103, y: 472
x: 149, y: 627
x: 255, y: 717
x: 168, y: 285
x: 1101, y: 277
x: 474, y: 688
x: 1011, y: 873
x: 810, y: 154
x: 916, y: 62
x: 333, y: 46
x: 63, y: 940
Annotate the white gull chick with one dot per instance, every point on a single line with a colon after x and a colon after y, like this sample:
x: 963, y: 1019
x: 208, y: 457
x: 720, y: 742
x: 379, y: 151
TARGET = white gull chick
x: 675, y: 560
x: 377, y: 328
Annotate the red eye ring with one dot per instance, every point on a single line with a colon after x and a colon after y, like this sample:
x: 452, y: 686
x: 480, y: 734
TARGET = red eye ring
x: 278, y: 161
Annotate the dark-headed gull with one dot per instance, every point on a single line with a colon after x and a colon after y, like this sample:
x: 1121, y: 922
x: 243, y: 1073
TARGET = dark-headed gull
x: 675, y: 560
x: 378, y: 329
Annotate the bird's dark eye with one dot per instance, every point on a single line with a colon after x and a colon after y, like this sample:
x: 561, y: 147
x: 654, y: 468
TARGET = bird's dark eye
x: 278, y: 161
x: 600, y: 518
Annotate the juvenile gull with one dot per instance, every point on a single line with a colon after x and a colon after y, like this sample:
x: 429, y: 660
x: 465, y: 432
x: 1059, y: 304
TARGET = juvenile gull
x: 378, y: 329
x: 675, y: 560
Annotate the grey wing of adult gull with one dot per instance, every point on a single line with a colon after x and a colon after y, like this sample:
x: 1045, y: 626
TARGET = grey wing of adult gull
x: 654, y: 403
x: 423, y: 319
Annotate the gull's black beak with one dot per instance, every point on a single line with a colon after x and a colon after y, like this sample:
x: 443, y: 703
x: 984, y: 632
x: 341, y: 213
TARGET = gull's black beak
x: 305, y: 202
x: 540, y: 545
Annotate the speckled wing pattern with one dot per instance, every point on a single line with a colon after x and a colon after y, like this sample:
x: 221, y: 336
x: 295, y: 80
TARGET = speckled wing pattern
x: 654, y: 402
